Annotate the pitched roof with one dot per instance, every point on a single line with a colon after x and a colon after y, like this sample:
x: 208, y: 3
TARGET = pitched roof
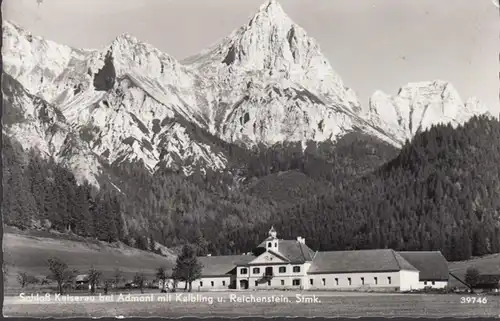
x: 223, y: 264
x: 431, y: 264
x: 359, y: 261
x: 82, y: 278
x: 292, y: 250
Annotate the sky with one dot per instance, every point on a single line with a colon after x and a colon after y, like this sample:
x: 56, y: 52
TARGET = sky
x: 372, y: 44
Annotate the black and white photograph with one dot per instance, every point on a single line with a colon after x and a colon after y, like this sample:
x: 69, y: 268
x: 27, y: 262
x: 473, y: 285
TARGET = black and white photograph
x: 261, y: 158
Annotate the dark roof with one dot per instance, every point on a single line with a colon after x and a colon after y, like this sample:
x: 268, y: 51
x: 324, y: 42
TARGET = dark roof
x: 223, y: 264
x: 431, y: 264
x: 292, y: 250
x: 359, y: 261
x: 489, y: 279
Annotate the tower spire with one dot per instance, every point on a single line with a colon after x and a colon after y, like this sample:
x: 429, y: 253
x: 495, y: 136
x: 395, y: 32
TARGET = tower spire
x: 272, y: 232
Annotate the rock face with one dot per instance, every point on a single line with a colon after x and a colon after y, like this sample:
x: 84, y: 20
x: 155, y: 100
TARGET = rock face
x: 269, y: 82
x: 418, y: 106
x: 266, y: 82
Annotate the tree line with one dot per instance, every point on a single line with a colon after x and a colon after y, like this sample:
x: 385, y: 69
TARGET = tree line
x: 439, y: 192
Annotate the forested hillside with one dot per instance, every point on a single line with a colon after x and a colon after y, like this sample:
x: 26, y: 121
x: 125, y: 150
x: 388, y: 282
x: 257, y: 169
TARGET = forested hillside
x: 439, y: 192
x: 134, y: 206
x: 38, y: 193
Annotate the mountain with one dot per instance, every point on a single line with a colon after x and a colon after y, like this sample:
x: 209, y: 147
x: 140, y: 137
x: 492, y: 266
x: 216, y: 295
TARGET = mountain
x: 127, y: 102
x: 269, y: 82
x: 418, y: 106
x: 266, y: 83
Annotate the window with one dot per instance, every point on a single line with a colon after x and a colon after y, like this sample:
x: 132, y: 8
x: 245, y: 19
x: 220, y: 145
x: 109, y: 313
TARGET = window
x: 296, y: 269
x: 201, y: 283
x: 349, y: 281
x: 282, y: 269
x: 269, y: 244
x: 275, y: 244
x: 336, y: 281
x: 223, y: 283
x: 256, y: 271
x: 311, y: 281
x: 375, y: 279
x: 389, y: 279
x: 425, y: 283
x: 243, y: 271
x: 433, y: 283
x: 212, y: 283
x: 362, y: 281
x: 256, y: 283
x: 282, y: 282
x: 269, y: 282
x: 296, y: 282
x: 269, y: 270
x: 324, y: 281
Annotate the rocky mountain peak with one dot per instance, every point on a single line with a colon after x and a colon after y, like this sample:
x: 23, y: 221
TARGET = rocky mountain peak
x: 419, y: 105
x: 272, y: 12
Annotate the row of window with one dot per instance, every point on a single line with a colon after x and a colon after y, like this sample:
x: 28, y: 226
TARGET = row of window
x: 349, y: 281
x: 212, y: 283
x: 296, y: 282
x: 433, y: 283
x: 323, y: 281
x: 282, y: 269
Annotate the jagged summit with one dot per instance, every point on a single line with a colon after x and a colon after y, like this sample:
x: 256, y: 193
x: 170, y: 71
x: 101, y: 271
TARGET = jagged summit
x: 270, y: 40
x: 419, y: 105
x: 126, y: 36
x: 268, y: 81
x: 10, y: 25
x: 273, y: 11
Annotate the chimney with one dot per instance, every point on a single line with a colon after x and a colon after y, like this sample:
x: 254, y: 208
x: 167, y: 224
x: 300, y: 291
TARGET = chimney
x: 209, y: 254
x: 301, y: 240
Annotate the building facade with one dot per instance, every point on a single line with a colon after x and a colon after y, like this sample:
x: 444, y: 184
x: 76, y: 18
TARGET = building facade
x: 291, y: 264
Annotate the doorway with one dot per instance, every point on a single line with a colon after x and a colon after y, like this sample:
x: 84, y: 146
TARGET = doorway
x: 244, y: 284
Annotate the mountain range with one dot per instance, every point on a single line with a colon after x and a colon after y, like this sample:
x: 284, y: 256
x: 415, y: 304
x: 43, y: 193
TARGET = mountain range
x: 266, y: 83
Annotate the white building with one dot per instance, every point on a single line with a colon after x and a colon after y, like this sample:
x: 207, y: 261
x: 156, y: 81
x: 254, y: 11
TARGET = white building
x: 291, y: 264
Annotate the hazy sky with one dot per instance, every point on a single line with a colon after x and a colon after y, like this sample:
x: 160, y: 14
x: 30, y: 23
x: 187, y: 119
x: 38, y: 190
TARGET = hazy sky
x: 372, y: 44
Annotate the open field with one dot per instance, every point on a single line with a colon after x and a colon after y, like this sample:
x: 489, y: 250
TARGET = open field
x: 489, y: 264
x: 29, y: 253
x: 231, y: 304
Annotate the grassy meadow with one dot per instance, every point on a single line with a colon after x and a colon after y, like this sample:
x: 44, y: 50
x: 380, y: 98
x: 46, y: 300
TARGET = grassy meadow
x: 28, y: 252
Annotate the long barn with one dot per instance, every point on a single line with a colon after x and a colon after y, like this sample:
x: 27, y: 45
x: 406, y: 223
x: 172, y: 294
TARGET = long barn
x: 291, y: 264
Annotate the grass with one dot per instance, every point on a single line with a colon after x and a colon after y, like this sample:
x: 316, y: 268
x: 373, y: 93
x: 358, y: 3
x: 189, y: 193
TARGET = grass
x: 29, y: 251
x: 489, y: 264
x: 224, y: 304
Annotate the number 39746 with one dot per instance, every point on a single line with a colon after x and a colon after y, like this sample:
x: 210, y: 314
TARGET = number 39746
x: 473, y: 299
